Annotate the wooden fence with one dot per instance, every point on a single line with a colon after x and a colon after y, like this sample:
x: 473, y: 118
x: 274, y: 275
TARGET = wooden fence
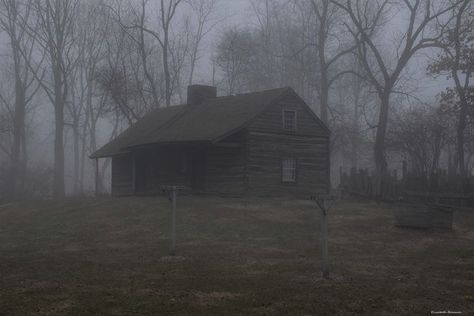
x: 441, y: 188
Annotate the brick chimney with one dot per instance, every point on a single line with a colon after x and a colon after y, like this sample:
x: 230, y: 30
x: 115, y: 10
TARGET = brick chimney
x: 198, y: 93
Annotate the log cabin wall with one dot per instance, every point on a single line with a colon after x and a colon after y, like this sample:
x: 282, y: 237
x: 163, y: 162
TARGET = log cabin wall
x: 247, y: 162
x: 122, y: 174
x: 268, y: 144
x: 226, y: 166
x: 162, y: 165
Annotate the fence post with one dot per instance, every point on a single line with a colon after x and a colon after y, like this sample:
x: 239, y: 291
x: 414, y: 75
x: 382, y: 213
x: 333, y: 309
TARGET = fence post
x: 324, y: 240
x: 173, y: 221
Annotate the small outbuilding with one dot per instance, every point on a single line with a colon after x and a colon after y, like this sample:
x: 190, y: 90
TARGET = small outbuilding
x: 267, y: 143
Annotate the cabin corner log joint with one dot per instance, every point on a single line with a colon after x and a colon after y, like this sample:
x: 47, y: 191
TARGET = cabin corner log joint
x: 267, y: 143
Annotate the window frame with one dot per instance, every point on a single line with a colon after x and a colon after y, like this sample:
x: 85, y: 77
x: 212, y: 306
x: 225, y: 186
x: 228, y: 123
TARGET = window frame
x: 283, y: 120
x: 295, y: 180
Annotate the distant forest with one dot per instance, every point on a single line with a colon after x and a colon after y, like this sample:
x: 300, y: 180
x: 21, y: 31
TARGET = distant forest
x: 75, y: 73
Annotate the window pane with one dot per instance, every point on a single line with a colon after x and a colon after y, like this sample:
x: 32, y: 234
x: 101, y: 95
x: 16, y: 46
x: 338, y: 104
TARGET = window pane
x: 289, y: 170
x: 289, y: 120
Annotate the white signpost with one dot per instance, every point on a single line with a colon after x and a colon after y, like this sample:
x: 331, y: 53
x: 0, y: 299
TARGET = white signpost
x: 322, y: 203
x: 172, y: 190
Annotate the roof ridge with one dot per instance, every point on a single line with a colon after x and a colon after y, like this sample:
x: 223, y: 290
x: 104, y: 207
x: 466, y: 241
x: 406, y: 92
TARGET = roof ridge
x: 210, y: 121
x: 248, y: 93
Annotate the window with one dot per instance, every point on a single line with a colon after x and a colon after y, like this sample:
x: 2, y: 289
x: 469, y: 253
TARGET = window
x: 289, y: 120
x: 288, y: 170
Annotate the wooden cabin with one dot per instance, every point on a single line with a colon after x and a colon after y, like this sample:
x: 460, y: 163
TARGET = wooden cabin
x: 267, y: 143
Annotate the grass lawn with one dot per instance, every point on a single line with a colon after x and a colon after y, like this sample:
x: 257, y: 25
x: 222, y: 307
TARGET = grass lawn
x: 109, y: 256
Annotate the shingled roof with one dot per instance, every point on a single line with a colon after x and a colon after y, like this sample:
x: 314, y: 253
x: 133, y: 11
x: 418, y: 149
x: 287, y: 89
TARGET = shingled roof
x: 209, y: 121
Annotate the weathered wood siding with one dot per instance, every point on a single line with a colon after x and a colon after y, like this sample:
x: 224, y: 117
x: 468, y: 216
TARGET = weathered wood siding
x: 226, y: 166
x: 271, y: 120
x: 164, y: 165
x: 268, y: 143
x: 122, y: 175
x: 247, y: 162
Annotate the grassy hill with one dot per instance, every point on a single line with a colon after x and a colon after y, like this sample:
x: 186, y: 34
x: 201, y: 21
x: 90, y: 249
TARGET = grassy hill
x: 234, y: 257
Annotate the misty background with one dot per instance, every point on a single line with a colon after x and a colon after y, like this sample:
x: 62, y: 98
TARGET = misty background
x: 389, y: 78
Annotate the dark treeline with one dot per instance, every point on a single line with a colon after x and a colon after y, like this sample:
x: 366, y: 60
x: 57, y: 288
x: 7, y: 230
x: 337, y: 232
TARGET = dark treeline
x: 95, y: 67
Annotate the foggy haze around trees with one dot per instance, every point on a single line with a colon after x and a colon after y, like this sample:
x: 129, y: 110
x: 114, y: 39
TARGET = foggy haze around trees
x: 391, y: 79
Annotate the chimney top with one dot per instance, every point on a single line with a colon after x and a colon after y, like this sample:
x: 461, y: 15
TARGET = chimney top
x: 199, y: 93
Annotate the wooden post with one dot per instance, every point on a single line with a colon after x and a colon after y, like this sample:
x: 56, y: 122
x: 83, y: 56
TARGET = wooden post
x: 172, y: 190
x: 134, y: 175
x: 323, y: 207
x: 324, y: 240
x: 97, y: 177
x: 173, y: 221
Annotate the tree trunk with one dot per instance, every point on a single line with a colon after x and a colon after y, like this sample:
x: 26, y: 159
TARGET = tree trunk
x: 461, y: 164
x: 323, y: 97
x: 324, y: 84
x: 59, y: 191
x: 82, y: 159
x: 143, y: 55
x: 18, y: 128
x: 167, y: 71
x: 17, y: 173
x: 461, y: 126
x: 379, y: 147
x: 355, y: 126
x: 76, y: 156
x: 23, y: 161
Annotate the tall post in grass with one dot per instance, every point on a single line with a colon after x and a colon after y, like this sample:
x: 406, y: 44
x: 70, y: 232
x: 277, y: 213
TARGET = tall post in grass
x: 173, y: 221
x: 324, y: 240
x: 134, y: 173
x: 172, y: 190
x: 321, y: 202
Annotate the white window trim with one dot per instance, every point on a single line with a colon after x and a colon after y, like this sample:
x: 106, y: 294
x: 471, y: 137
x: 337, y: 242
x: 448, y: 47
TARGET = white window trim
x: 291, y: 171
x: 283, y: 119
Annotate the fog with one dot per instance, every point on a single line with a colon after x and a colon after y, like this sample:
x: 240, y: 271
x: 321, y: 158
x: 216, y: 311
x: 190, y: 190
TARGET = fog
x: 236, y: 157
x: 112, y: 62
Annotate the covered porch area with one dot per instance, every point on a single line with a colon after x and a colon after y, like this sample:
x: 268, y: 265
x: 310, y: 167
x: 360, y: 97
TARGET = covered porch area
x: 143, y: 170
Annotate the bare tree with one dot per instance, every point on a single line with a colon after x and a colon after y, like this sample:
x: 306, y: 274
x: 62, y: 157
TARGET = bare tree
x: 13, y: 15
x: 92, y: 27
x: 203, y: 10
x: 54, y: 32
x: 457, y: 60
x: 234, y: 57
x: 284, y: 48
x: 366, y: 17
x: 351, y: 114
x: 421, y: 133
x: 118, y: 76
x: 160, y: 32
x: 328, y: 35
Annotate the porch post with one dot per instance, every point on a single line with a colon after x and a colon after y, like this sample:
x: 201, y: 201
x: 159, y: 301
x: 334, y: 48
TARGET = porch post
x: 97, y: 177
x: 134, y: 173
